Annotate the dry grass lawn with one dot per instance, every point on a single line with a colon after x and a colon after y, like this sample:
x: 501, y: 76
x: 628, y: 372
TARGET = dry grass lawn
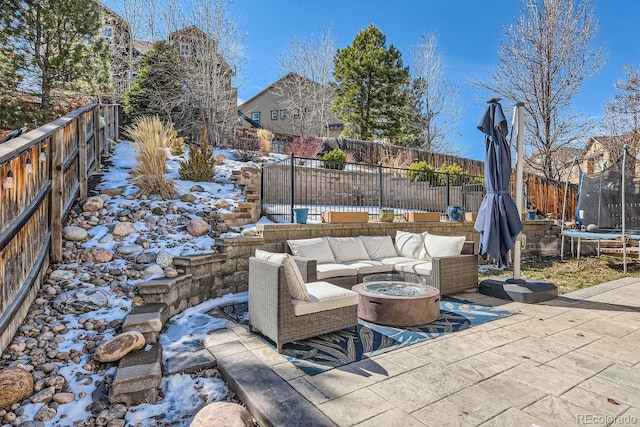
x: 568, y: 276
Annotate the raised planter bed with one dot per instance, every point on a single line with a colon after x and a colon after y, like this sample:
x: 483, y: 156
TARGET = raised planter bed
x: 422, y: 216
x: 333, y: 216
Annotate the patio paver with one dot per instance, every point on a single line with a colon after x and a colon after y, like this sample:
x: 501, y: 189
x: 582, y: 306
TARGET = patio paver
x: 546, y: 365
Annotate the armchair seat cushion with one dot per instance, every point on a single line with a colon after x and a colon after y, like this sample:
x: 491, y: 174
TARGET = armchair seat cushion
x: 395, y: 260
x: 369, y: 266
x: 326, y: 271
x: 324, y: 296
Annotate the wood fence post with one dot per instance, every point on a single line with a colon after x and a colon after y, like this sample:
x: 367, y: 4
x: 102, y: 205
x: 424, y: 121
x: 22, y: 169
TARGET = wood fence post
x: 57, y: 194
x: 82, y: 154
x: 96, y: 137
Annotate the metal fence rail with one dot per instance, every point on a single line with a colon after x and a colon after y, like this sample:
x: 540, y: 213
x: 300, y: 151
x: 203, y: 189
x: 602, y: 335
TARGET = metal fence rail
x: 297, y: 182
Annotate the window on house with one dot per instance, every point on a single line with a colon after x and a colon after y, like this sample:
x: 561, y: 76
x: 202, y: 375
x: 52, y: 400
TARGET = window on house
x: 108, y: 31
x: 256, y: 117
x: 274, y: 114
x: 283, y: 114
x: 308, y: 111
x: 184, y: 49
x: 202, y: 51
x: 296, y: 114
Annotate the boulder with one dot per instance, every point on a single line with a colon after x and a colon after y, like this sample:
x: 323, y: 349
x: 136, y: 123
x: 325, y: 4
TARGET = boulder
x: 130, y: 249
x: 164, y: 259
x: 222, y: 414
x: 117, y: 347
x: 97, y: 255
x: 123, y: 229
x: 197, y: 227
x: 74, y: 233
x: 60, y: 275
x: 82, y: 300
x: 93, y: 204
x: 16, y: 384
x: 112, y: 192
x: 188, y: 198
x: 146, y: 258
x: 153, y: 270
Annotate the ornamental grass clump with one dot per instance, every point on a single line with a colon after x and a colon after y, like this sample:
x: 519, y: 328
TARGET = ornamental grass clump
x: 200, y: 165
x: 151, y: 137
x: 265, y: 136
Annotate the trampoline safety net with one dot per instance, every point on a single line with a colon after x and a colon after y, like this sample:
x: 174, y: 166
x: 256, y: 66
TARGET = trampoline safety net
x: 600, y: 197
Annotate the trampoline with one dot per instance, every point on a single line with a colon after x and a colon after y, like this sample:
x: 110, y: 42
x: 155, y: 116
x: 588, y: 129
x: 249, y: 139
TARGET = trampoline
x: 608, y: 205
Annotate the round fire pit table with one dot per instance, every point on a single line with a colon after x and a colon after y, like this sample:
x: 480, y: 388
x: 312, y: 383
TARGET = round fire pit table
x: 386, y: 299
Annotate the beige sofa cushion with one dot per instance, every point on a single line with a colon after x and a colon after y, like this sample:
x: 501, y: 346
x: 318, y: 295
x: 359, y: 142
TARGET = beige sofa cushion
x: 409, y: 244
x: 275, y: 257
x: 327, y: 271
x: 317, y: 248
x: 324, y: 296
x: 347, y: 248
x: 370, y: 266
x: 422, y: 268
x: 295, y: 282
x: 436, y: 246
x: 379, y: 246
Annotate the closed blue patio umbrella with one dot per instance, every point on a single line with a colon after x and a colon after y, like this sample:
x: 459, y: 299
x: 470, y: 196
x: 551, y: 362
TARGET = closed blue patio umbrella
x: 498, y: 221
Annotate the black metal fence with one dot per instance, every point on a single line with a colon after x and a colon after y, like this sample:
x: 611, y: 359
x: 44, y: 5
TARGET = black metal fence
x: 297, y: 182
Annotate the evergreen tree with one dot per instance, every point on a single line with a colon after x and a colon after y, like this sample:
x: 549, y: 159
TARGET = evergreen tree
x: 54, y: 47
x: 372, y: 88
x: 159, y: 89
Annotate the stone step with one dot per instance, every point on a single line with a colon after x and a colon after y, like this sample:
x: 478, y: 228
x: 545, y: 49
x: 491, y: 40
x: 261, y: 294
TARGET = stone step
x: 189, y: 362
x: 138, y: 377
x: 175, y: 292
x: 245, y: 205
x: 148, y: 319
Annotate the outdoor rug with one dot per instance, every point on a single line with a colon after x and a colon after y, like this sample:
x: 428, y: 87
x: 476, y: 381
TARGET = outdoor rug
x: 329, y: 351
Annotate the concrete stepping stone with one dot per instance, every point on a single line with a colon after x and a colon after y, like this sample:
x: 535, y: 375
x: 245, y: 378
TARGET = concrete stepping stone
x: 147, y: 319
x: 189, y: 362
x: 138, y: 377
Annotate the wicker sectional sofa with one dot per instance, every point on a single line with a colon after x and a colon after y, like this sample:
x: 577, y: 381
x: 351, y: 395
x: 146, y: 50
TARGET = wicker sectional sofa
x: 447, y: 263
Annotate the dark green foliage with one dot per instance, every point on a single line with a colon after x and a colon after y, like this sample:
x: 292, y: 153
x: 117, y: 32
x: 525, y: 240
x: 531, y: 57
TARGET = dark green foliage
x: 335, y: 159
x: 54, y: 47
x: 372, y: 89
x: 421, y: 172
x: 158, y: 90
x: 200, y: 166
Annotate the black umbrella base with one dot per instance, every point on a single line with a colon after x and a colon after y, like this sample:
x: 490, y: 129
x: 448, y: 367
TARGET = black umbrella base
x: 519, y: 290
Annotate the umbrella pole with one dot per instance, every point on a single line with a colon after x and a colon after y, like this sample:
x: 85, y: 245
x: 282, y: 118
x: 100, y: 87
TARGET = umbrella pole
x: 519, y: 184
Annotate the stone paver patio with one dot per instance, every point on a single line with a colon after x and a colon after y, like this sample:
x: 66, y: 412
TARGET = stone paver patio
x: 570, y: 361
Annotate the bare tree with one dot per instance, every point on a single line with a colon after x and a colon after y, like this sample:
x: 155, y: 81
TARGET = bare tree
x: 544, y: 61
x: 438, y: 99
x: 621, y: 119
x: 306, y: 94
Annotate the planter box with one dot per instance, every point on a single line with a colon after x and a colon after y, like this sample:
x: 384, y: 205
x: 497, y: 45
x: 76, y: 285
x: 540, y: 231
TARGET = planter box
x: 470, y: 216
x: 333, y: 216
x: 422, y: 216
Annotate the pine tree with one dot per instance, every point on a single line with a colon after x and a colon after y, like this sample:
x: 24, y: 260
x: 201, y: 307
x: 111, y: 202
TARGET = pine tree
x: 55, y: 47
x: 158, y: 89
x: 372, y: 87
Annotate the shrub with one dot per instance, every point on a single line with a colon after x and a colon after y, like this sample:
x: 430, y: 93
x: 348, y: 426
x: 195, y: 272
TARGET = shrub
x: 457, y: 176
x: 265, y: 136
x: 176, y: 143
x: 151, y: 138
x: 246, y: 147
x: 335, y: 159
x: 421, y: 172
x: 200, y: 166
x: 308, y: 147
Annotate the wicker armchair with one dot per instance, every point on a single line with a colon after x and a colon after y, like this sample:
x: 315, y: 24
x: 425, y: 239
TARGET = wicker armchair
x: 271, y: 310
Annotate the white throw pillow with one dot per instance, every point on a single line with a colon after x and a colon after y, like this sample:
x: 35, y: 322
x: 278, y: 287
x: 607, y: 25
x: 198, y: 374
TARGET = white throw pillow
x: 275, y: 257
x: 408, y: 244
x: 379, y: 246
x: 347, y: 249
x: 295, y: 282
x: 317, y: 248
x: 436, y: 246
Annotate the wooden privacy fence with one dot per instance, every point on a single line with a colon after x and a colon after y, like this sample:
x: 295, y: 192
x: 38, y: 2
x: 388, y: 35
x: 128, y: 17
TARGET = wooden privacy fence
x: 41, y: 174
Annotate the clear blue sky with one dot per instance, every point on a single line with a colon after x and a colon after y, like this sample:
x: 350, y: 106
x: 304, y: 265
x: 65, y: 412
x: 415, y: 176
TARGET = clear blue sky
x: 469, y: 33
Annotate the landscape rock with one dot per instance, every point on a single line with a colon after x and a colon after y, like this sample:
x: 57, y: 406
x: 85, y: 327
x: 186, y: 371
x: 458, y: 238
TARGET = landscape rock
x: 16, y: 384
x: 154, y: 269
x: 97, y: 255
x: 74, y: 233
x: 60, y: 275
x: 93, y: 204
x: 106, y: 238
x: 82, y: 300
x: 222, y: 414
x: 112, y: 192
x: 63, y: 398
x: 146, y: 258
x: 164, y: 259
x: 197, y: 187
x: 129, y: 249
x: 44, y: 396
x: 117, y: 347
x: 221, y: 204
x: 123, y: 229
x: 188, y: 198
x: 45, y: 414
x: 197, y: 227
